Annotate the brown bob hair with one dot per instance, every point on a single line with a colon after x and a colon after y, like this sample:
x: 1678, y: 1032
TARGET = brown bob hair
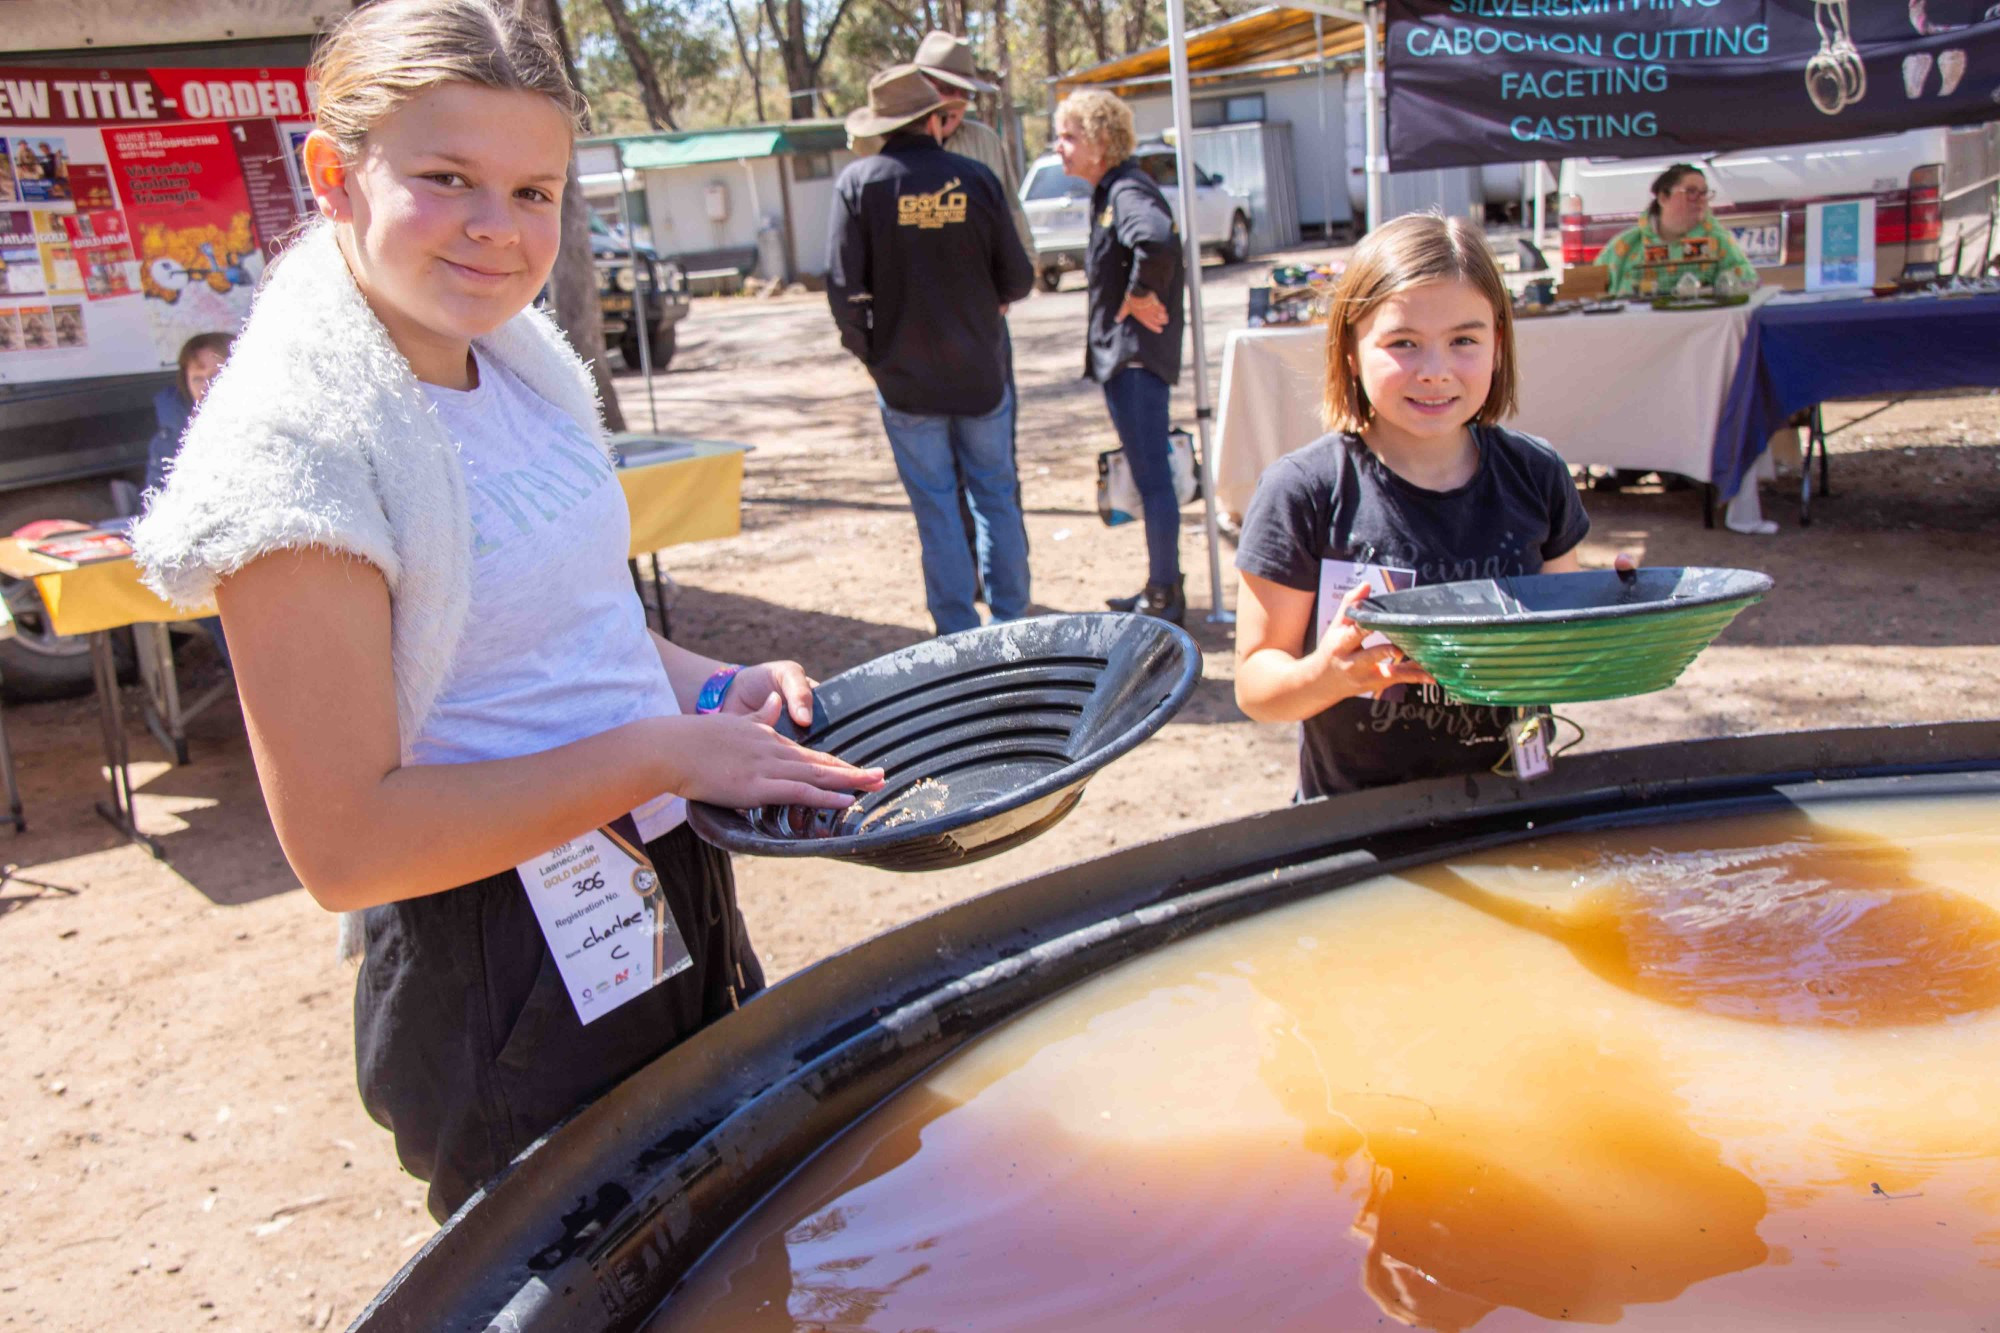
x: 1415, y: 248
x: 217, y: 344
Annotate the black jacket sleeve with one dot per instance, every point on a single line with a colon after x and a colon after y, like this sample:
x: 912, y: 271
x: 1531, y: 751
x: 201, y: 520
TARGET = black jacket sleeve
x: 1146, y: 228
x: 1013, y: 267
x: 847, y: 285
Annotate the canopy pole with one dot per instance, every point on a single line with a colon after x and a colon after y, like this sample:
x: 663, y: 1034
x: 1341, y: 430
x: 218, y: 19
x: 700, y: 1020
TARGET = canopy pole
x: 643, y: 330
x: 1371, y: 83
x: 1325, y: 148
x: 1191, y: 250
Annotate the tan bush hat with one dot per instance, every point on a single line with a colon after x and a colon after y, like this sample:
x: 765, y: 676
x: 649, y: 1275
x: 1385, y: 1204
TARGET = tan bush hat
x: 948, y: 58
x: 898, y: 96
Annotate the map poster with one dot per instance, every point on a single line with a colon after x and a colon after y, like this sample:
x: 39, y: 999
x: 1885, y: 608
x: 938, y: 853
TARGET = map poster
x: 103, y: 253
x: 38, y: 329
x: 267, y: 180
x: 190, y: 216
x: 41, y: 168
x: 90, y: 182
x: 60, y: 274
x: 20, y: 256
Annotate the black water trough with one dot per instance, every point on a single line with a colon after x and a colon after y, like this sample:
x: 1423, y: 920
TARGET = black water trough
x: 591, y: 1228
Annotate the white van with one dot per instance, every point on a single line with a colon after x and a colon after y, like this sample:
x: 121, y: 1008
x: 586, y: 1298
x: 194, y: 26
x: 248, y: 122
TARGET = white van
x: 1935, y: 191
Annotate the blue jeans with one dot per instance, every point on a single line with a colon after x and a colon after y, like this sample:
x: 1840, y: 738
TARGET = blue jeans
x: 1138, y: 402
x: 935, y: 453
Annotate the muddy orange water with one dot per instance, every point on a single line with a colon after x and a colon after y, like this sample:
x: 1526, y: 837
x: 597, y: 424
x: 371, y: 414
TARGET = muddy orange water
x: 1735, y: 1075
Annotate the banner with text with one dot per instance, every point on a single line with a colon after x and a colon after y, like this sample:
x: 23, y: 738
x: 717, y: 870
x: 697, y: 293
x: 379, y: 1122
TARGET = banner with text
x: 138, y: 208
x: 1473, y: 81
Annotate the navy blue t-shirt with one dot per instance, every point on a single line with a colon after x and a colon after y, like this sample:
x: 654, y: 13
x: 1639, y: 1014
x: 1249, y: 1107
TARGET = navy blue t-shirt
x: 1335, y: 500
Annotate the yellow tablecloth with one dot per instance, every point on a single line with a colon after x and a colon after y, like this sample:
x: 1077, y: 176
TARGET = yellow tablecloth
x: 693, y: 496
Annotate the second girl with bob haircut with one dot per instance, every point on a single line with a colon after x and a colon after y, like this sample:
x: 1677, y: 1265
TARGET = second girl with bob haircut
x: 1419, y: 252
x: 1416, y: 483
x: 400, y: 496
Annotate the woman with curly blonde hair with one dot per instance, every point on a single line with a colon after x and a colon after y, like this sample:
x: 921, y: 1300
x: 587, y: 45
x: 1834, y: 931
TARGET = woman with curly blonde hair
x: 1135, y: 273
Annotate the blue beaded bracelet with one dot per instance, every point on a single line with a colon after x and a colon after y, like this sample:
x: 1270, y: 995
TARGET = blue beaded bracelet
x: 715, y: 689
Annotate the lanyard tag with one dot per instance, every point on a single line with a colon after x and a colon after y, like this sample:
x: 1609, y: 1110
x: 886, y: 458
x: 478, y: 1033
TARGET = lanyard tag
x: 1336, y: 577
x: 604, y: 914
x: 1528, y: 746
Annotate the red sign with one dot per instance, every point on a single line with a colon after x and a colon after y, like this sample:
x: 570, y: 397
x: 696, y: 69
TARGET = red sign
x: 39, y: 95
x: 234, y: 94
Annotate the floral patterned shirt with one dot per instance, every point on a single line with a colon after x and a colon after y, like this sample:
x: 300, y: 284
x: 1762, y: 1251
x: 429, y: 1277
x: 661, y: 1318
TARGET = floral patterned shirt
x: 1642, y: 263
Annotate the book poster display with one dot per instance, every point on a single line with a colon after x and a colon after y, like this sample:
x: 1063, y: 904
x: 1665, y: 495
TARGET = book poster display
x: 1840, y: 245
x: 138, y: 207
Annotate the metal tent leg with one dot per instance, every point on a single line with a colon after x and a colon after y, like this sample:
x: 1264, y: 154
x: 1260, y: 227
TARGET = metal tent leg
x: 7, y: 774
x: 117, y: 812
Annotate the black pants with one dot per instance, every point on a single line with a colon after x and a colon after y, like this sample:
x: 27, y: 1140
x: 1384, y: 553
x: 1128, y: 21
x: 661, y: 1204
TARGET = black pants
x: 467, y: 1047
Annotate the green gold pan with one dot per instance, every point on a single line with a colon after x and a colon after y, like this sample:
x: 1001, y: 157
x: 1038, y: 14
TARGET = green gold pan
x: 1562, y: 638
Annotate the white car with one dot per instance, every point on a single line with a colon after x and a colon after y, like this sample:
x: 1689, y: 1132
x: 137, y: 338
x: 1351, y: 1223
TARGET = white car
x: 1058, y: 208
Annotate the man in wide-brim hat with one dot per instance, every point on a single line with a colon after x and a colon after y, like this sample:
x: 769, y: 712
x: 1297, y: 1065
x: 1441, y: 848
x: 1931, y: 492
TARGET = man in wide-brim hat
x: 924, y: 261
x: 898, y: 98
x: 946, y: 60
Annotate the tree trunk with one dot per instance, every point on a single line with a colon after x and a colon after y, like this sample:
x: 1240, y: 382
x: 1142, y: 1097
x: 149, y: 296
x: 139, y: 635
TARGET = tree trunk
x: 574, y: 281
x: 798, y: 66
x: 1093, y: 19
x: 801, y: 52
x: 658, y: 113
x: 1051, y: 52
x: 1003, y: 66
x: 1135, y: 25
x: 754, y: 68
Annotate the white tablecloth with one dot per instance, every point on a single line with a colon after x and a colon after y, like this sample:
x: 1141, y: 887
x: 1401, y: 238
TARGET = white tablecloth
x: 1640, y: 389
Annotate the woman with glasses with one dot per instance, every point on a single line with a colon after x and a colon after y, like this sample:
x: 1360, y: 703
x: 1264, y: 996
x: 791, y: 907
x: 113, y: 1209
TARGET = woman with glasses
x: 1676, y: 237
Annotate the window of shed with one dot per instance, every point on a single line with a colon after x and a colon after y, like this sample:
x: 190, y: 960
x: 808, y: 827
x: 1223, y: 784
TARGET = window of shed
x: 812, y: 166
x: 1236, y: 110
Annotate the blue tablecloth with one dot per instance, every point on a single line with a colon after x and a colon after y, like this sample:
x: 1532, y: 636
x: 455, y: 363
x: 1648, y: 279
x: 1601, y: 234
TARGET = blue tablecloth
x: 1797, y: 355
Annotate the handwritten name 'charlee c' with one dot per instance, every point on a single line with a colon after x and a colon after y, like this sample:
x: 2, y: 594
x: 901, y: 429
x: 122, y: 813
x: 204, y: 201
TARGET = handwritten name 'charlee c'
x: 596, y: 936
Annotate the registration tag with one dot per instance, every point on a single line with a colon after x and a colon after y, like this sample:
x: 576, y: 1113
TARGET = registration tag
x: 1337, y: 577
x: 604, y: 914
x: 1528, y: 745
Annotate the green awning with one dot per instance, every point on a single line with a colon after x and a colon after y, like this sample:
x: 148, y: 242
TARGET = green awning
x: 691, y: 148
x: 650, y: 152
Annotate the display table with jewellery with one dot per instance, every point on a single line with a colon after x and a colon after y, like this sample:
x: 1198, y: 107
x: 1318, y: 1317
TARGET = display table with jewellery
x: 1640, y: 389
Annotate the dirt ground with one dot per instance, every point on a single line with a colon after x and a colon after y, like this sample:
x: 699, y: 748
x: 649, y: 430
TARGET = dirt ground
x: 180, y: 1141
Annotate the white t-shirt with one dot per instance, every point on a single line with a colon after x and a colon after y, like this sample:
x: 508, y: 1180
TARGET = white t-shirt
x: 555, y: 646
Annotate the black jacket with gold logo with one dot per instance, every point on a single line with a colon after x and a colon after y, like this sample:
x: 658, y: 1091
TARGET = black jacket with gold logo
x: 923, y: 255
x: 1133, y: 239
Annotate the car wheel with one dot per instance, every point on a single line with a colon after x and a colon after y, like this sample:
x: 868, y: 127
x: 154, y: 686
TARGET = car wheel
x: 661, y: 347
x: 38, y: 663
x: 1237, y: 248
x: 1049, y: 279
